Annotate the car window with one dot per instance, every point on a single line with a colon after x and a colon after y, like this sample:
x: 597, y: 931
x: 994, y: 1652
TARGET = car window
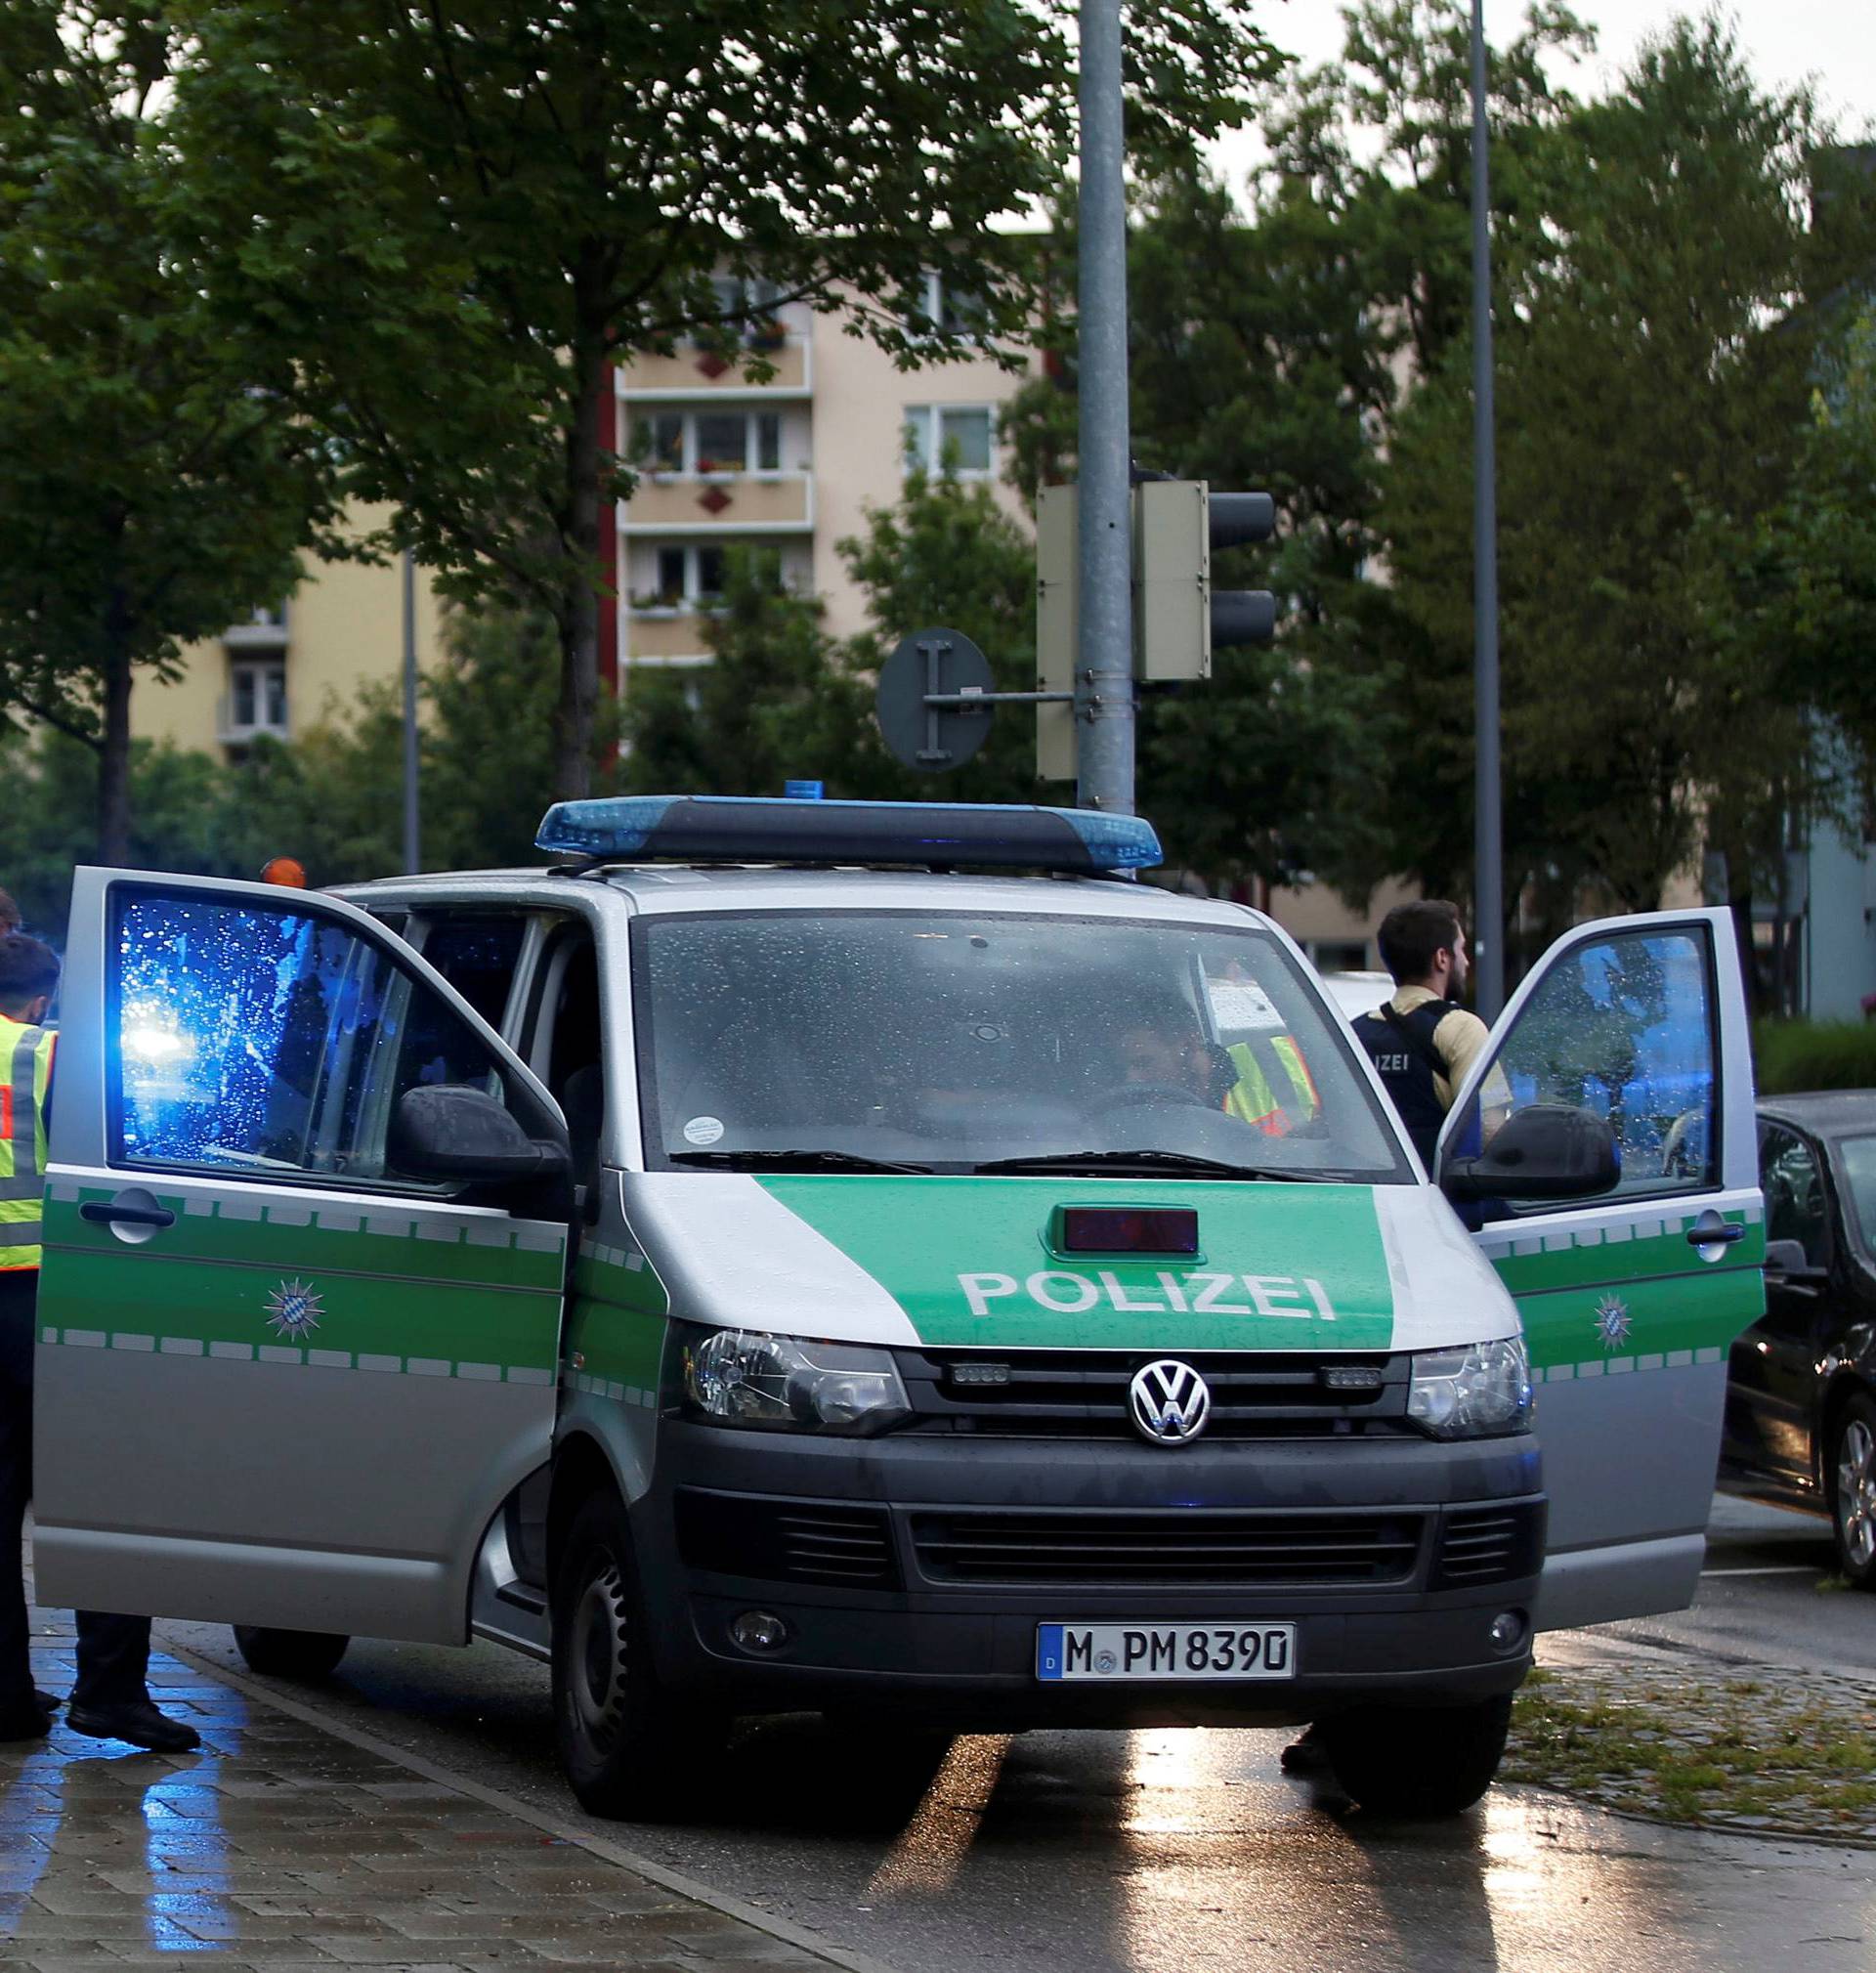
x: 952, y: 1040
x: 272, y: 1042
x: 1794, y: 1189
x: 478, y: 954
x: 1859, y: 1159
x: 1622, y: 1026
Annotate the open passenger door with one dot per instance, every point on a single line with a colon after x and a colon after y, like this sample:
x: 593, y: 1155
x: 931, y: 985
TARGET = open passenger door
x: 1628, y: 1298
x: 293, y: 1351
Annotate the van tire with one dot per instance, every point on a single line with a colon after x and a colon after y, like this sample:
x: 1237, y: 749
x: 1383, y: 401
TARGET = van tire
x: 620, y: 1745
x: 1417, y: 1761
x: 289, y: 1653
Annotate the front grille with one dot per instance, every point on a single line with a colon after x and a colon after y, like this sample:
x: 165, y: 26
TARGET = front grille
x: 786, y: 1540
x: 1181, y: 1546
x: 1489, y: 1544
x: 1060, y: 1393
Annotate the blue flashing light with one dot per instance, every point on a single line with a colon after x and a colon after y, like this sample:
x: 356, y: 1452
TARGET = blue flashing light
x: 763, y: 829
x: 804, y: 791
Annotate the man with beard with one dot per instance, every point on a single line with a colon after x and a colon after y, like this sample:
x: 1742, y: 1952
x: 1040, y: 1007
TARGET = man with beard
x: 1421, y: 1042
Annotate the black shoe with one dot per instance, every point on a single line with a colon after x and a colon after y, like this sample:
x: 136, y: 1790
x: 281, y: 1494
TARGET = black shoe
x: 47, y: 1702
x: 139, y: 1723
x: 25, y: 1722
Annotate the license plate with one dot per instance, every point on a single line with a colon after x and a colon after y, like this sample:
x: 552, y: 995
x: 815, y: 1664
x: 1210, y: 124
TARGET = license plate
x: 1166, y: 1651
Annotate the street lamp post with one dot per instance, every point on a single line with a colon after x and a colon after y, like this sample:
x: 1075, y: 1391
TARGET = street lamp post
x: 1489, y: 909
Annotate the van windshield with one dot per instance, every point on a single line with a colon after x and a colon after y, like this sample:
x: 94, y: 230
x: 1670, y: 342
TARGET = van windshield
x: 951, y: 1042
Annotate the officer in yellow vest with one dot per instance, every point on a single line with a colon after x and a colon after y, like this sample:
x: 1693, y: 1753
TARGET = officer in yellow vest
x: 110, y: 1700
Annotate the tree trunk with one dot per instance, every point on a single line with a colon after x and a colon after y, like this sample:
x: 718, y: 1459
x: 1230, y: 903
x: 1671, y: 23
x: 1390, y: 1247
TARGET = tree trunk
x: 113, y: 741
x: 579, y: 615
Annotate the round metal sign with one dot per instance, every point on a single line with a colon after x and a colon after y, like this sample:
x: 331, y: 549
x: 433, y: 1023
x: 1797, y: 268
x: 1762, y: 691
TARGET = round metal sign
x: 942, y: 665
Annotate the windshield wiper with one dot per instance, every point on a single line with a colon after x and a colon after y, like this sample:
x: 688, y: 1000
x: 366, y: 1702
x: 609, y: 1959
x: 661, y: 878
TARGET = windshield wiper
x: 1171, y: 1160
x: 790, y: 1161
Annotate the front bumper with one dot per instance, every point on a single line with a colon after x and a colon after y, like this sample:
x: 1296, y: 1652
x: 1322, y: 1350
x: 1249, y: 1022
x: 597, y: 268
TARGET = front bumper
x: 737, y: 1521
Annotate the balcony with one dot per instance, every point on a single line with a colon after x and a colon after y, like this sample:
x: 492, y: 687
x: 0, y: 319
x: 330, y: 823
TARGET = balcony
x: 692, y: 372
x: 720, y: 503
x: 665, y: 636
x: 262, y: 630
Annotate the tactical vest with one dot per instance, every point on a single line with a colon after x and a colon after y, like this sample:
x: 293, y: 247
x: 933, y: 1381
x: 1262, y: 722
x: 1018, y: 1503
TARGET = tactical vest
x: 27, y: 1054
x: 1401, y: 1048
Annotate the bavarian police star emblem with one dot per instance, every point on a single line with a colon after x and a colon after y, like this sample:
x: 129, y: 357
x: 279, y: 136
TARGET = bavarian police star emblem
x: 294, y: 1308
x: 1612, y: 1322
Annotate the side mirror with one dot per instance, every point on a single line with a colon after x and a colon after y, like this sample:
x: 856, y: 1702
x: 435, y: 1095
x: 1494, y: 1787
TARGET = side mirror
x: 1546, y: 1151
x: 452, y: 1131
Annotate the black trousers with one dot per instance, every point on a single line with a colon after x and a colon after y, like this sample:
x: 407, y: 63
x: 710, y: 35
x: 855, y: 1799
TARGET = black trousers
x: 114, y: 1651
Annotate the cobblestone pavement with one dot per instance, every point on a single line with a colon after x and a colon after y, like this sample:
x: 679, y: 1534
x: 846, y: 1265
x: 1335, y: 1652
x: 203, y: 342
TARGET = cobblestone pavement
x: 1677, y: 1738
x: 283, y: 1847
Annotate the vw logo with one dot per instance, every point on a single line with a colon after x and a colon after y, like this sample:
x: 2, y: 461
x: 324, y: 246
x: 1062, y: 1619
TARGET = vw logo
x: 1169, y: 1402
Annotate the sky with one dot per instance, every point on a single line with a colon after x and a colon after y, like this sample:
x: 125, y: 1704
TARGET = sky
x: 1833, y: 42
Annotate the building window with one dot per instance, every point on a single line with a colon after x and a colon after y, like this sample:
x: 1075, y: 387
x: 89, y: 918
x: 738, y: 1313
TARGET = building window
x: 950, y: 438
x: 257, y: 698
x: 939, y: 303
x: 687, y: 576
x: 749, y: 306
x: 710, y: 441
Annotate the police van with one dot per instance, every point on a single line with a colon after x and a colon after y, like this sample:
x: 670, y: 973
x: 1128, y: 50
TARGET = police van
x: 877, y: 1258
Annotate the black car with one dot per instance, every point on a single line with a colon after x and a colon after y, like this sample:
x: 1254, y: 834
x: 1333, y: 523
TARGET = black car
x: 1800, y: 1393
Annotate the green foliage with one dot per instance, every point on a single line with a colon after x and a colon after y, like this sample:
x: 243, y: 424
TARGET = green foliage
x: 1639, y: 391
x: 775, y: 701
x: 949, y: 554
x: 152, y: 487
x: 450, y: 217
x: 1793, y: 1055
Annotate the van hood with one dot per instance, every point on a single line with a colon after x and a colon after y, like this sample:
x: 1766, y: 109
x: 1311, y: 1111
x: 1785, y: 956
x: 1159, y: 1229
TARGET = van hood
x: 965, y: 1263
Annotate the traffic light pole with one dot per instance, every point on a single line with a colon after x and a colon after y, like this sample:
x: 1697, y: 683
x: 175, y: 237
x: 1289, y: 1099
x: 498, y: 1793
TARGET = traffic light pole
x: 1488, y: 904
x: 1104, y: 666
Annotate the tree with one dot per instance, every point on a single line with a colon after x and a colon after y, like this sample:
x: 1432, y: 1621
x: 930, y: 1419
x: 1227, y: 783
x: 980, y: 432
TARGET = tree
x: 1642, y: 384
x: 1270, y: 343
x: 152, y: 489
x: 452, y: 215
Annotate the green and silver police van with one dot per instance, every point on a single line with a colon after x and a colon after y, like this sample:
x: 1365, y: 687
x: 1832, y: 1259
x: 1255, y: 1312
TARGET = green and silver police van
x: 881, y: 1259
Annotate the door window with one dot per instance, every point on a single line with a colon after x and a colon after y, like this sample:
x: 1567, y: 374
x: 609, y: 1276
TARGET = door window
x: 478, y: 956
x: 1793, y: 1188
x: 1621, y: 1026
x: 269, y: 1042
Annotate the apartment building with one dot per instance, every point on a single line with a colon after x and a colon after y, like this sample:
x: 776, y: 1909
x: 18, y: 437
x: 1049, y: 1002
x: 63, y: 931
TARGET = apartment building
x: 792, y: 462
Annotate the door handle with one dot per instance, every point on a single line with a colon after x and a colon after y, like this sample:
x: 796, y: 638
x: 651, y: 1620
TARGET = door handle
x: 1702, y: 1233
x: 126, y: 1213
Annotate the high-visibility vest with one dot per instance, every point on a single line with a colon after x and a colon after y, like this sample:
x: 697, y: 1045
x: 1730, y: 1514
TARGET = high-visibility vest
x: 27, y: 1055
x: 1254, y: 1101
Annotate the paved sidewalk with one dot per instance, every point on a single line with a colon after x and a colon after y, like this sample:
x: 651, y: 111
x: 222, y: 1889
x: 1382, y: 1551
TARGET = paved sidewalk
x: 283, y: 1847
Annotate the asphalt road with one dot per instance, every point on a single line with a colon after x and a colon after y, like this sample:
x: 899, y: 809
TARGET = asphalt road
x: 1163, y: 1850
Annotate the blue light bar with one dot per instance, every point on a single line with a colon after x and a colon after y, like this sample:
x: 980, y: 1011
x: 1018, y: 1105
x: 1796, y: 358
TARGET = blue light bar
x: 758, y: 829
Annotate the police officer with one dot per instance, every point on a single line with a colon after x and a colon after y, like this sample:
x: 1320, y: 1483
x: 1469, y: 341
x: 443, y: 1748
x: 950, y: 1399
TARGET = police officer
x: 110, y: 1700
x: 1420, y: 1042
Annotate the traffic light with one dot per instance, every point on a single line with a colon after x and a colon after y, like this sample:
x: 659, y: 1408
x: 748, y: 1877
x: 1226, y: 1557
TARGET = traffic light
x: 1178, y: 618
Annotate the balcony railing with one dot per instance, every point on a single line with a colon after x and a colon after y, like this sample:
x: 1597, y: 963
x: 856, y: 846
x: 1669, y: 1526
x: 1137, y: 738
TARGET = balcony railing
x: 690, y: 372
x: 719, y: 504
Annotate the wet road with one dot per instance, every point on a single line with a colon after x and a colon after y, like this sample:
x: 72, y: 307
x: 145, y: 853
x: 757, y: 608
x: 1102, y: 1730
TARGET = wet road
x: 1173, y: 1850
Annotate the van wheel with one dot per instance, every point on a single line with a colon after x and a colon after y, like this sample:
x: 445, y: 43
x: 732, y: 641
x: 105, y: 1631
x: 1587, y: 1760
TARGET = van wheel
x: 1417, y: 1761
x: 289, y: 1653
x: 619, y: 1747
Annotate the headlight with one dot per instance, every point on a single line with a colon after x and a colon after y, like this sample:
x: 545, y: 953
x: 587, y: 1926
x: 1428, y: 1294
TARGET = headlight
x: 1481, y: 1391
x: 788, y: 1384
